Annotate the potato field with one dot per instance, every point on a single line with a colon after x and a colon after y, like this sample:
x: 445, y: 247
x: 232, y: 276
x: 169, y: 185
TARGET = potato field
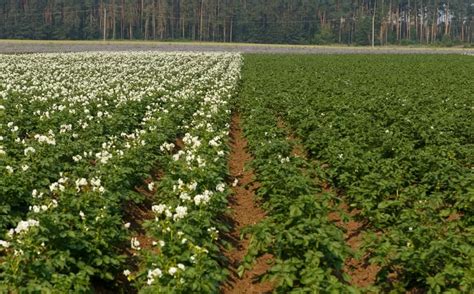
x: 155, y: 172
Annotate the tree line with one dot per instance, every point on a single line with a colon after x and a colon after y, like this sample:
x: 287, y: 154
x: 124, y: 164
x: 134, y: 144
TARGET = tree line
x: 261, y: 21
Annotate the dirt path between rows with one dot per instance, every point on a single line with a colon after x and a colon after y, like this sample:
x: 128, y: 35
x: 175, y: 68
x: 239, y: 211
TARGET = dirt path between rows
x: 361, y: 272
x: 245, y: 212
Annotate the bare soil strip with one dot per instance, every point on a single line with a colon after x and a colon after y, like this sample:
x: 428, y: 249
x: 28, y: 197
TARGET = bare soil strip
x: 361, y: 272
x: 245, y: 212
x: 30, y: 46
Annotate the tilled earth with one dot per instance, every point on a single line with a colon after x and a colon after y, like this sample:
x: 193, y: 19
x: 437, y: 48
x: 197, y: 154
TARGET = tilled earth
x: 12, y: 47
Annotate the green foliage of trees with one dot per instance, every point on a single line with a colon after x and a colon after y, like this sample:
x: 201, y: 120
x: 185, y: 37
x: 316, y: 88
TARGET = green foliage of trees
x: 261, y: 21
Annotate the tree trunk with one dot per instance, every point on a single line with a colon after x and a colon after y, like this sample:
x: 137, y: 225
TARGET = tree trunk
x: 340, y: 30
x: 419, y: 30
x: 224, y: 31
x: 434, y: 27
x: 183, y: 25
x: 446, y: 20
x: 142, y: 8
x: 113, y: 21
x: 408, y: 35
x: 373, y: 25
x: 146, y: 27
x: 398, y: 24
x: 122, y: 21
x: 201, y: 21
x: 231, y: 29
x: 382, y: 23
x: 105, y: 23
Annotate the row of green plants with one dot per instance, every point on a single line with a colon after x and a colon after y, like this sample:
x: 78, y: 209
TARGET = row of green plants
x: 89, y: 136
x: 308, y: 249
x: 395, y: 135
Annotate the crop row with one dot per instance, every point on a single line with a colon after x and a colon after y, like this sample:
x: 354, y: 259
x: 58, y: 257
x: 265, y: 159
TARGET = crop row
x: 308, y: 249
x: 190, y: 199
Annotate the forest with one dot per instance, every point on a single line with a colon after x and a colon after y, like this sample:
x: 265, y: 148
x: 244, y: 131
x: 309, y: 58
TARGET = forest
x: 354, y: 22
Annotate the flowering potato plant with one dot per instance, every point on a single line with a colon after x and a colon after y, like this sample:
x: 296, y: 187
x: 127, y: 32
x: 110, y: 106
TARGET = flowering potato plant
x: 190, y: 198
x: 76, y: 137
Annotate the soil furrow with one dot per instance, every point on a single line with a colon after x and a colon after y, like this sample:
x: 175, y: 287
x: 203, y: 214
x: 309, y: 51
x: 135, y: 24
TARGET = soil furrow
x: 244, y: 212
x: 361, y: 272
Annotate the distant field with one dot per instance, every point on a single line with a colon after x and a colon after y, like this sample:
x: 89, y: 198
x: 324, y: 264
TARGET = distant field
x: 31, y: 46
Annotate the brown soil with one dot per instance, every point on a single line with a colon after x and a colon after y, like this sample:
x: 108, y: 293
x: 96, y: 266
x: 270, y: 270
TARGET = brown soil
x: 28, y: 46
x: 245, y: 212
x: 361, y: 272
x: 137, y: 214
x: 454, y: 216
x: 179, y: 145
